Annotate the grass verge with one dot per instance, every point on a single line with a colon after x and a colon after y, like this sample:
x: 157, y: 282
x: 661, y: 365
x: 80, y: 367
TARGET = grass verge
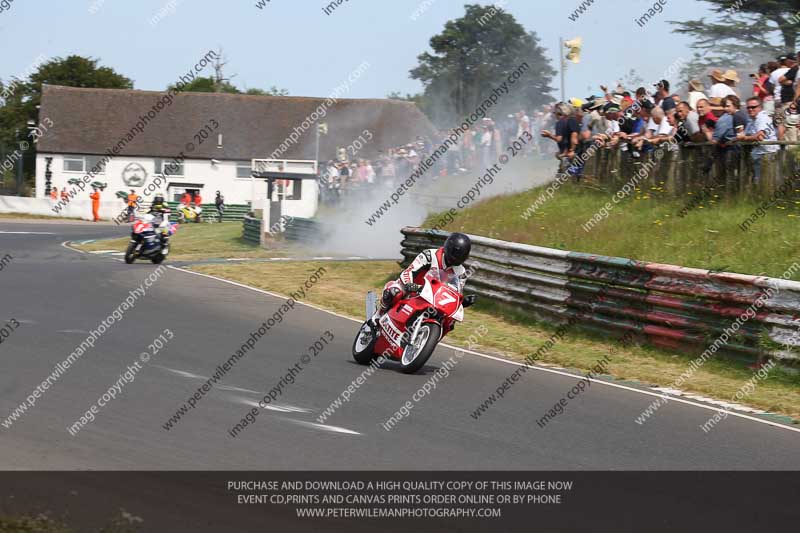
x: 512, y: 334
x: 646, y: 227
x: 199, y: 241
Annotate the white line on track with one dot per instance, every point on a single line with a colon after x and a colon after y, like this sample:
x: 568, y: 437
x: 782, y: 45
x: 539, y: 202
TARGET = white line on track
x: 323, y: 427
x: 285, y: 408
x: 190, y: 375
x: 279, y: 407
x: 514, y: 363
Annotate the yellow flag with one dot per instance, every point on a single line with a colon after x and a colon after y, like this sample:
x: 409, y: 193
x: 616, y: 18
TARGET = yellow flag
x: 574, y: 47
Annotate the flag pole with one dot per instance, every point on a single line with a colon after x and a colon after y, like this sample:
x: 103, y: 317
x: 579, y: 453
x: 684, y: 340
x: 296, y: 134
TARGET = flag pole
x: 562, y: 61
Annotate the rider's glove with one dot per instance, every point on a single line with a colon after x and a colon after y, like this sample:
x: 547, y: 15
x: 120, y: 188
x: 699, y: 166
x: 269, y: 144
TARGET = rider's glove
x: 469, y: 300
x: 412, y: 287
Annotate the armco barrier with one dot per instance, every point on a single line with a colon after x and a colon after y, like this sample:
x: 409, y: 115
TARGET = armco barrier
x: 251, y: 230
x: 667, y: 306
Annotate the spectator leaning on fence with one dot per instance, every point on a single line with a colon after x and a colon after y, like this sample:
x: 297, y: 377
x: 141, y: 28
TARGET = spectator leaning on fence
x: 732, y: 121
x: 759, y: 128
x: 708, y: 120
x: 663, y: 96
x: 689, y: 125
x: 566, y: 134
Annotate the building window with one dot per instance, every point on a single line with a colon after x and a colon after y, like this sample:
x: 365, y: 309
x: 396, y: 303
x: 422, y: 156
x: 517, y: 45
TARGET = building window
x: 169, y: 168
x: 288, y: 189
x: 74, y: 164
x: 93, y: 161
x: 296, y: 190
x: 81, y: 163
x: 243, y: 169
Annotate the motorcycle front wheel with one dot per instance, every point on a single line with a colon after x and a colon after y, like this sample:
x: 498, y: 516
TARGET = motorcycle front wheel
x: 364, y: 345
x: 416, y: 354
x: 157, y: 259
x: 130, y: 253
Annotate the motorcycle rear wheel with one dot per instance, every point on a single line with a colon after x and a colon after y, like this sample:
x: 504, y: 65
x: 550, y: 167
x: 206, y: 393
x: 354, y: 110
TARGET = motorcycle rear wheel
x: 157, y: 259
x: 363, y: 349
x: 416, y: 355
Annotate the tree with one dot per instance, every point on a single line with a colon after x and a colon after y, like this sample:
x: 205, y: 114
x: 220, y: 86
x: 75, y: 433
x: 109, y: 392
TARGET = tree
x: 632, y: 80
x: 22, y: 97
x: 208, y: 85
x: 743, y: 34
x: 475, y: 54
x: 419, y: 99
x: 272, y: 91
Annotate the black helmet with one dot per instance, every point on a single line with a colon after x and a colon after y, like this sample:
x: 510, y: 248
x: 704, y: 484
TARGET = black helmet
x: 456, y: 249
x: 158, y: 199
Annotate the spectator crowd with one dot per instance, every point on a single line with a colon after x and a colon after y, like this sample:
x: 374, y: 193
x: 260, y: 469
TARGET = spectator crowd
x: 476, y: 150
x: 725, y: 112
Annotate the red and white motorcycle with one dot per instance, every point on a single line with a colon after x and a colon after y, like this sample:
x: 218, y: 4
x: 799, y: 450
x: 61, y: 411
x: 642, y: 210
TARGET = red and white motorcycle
x: 410, y: 331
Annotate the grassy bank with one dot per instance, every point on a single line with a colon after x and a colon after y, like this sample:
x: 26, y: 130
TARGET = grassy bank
x: 646, y: 227
x: 200, y: 241
x: 513, y: 335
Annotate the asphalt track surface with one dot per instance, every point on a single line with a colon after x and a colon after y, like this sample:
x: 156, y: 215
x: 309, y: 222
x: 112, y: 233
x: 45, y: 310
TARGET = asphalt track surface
x: 59, y: 295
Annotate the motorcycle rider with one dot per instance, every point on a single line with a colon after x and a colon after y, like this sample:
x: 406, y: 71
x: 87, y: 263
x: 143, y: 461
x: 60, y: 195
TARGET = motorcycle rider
x: 160, y: 211
x: 449, y: 257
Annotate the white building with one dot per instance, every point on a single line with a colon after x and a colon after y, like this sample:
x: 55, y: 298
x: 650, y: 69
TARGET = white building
x: 206, y: 142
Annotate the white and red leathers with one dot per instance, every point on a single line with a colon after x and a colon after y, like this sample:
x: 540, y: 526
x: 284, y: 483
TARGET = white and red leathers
x: 394, y: 291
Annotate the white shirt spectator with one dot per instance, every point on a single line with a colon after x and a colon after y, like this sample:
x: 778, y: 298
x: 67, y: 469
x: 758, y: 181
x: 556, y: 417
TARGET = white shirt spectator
x: 694, y: 97
x: 720, y: 90
x: 612, y: 127
x: 762, y: 122
x: 664, y: 128
x: 773, y: 78
x: 692, y: 123
x: 333, y: 173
